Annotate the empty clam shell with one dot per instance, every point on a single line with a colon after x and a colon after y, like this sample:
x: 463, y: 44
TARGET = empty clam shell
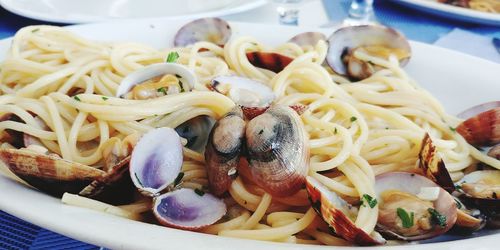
x: 244, y: 91
x: 278, y: 152
x: 308, y: 38
x: 338, y: 214
x: 47, y: 173
x: 156, y: 160
x: 187, y: 77
x: 350, y: 37
x: 432, y: 165
x: 482, y: 129
x: 188, y: 209
x: 223, y: 150
x: 212, y: 29
x: 269, y: 60
x: 195, y: 131
x: 412, y: 185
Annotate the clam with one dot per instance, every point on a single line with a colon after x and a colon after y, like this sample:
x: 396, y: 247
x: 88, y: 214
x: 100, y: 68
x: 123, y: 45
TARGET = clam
x: 195, y: 131
x: 473, y: 111
x: 244, y: 91
x: 482, y: 187
x: 49, y: 173
x: 157, y: 80
x: 212, y: 29
x: 272, y: 61
x: 482, y: 129
x: 378, y: 41
x: 156, y: 160
x: 495, y: 152
x: 308, y: 38
x: 278, y: 152
x: 432, y: 165
x: 188, y: 209
x: 468, y: 220
x: 412, y: 207
x: 338, y: 214
x: 223, y: 150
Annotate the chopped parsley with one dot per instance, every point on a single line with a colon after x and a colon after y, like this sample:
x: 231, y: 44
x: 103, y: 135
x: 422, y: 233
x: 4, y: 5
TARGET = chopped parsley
x: 372, y: 202
x: 335, y: 131
x: 182, y: 87
x: 35, y: 30
x: 199, y: 192
x: 104, y: 98
x: 178, y: 76
x: 353, y: 118
x: 458, y: 186
x: 437, y: 218
x: 459, y: 205
x: 138, y: 180
x: 172, y: 57
x: 453, y: 129
x: 77, y: 98
x: 406, y: 218
x: 162, y: 90
x: 178, y: 178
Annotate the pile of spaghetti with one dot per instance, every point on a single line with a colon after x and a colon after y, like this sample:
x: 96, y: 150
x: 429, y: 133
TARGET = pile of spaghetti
x: 62, y: 88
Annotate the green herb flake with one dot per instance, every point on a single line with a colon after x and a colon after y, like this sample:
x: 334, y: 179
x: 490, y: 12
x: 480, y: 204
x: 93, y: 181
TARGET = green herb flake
x: 335, y: 131
x: 172, y: 57
x: 104, y: 98
x: 162, y: 90
x: 178, y: 76
x: 199, y: 192
x: 178, y: 179
x: 353, y: 118
x: 77, y: 98
x: 406, y: 218
x: 458, y: 186
x: 182, y: 86
x: 372, y: 202
x: 138, y: 180
x: 459, y: 205
x: 35, y: 30
x: 437, y: 218
x: 453, y: 129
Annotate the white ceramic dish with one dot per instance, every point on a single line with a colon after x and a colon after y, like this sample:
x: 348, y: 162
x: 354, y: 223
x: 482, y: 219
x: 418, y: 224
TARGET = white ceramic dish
x: 457, y: 80
x: 85, y: 11
x: 453, y: 12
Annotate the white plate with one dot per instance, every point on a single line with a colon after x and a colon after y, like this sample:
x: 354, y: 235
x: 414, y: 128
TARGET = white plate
x: 86, y: 11
x: 453, y: 12
x: 457, y: 80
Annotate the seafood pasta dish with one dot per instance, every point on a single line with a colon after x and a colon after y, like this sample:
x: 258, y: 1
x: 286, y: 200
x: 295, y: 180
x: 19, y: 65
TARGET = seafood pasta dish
x: 491, y: 6
x: 323, y: 139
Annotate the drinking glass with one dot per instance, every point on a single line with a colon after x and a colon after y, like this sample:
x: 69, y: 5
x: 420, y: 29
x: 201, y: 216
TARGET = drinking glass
x: 288, y: 11
x: 360, y: 12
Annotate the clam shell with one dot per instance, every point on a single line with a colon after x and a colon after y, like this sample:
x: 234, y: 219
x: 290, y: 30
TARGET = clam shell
x: 156, y: 160
x: 244, y: 91
x: 350, y: 37
x: 278, y: 152
x: 187, y: 209
x: 412, y: 184
x: 269, y: 60
x: 154, y: 70
x: 482, y: 129
x: 195, y: 131
x: 336, y: 212
x: 224, y: 149
x: 432, y: 165
x: 308, y: 38
x: 489, y: 205
x: 210, y: 29
x: 49, y: 174
x: 470, y: 112
x: 495, y: 152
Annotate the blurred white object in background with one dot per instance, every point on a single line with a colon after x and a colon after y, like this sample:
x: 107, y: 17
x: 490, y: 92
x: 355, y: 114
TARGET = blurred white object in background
x: 288, y: 11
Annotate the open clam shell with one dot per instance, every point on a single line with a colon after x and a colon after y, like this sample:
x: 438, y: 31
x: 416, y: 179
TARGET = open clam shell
x: 308, y: 38
x: 350, y: 37
x: 482, y: 129
x: 338, y: 214
x: 223, y: 150
x: 269, y: 60
x: 244, y: 91
x: 432, y: 165
x: 156, y: 160
x: 468, y: 220
x: 47, y: 173
x: 187, y: 77
x: 211, y: 29
x: 188, y: 209
x: 413, y: 184
x: 278, y: 151
x: 195, y: 131
x: 481, y: 189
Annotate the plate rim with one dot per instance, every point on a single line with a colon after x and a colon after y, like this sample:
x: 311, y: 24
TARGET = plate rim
x: 33, y: 14
x: 39, y: 220
x: 452, y: 12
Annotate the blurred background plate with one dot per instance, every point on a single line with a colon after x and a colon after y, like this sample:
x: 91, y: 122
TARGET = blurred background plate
x: 453, y: 12
x: 85, y: 11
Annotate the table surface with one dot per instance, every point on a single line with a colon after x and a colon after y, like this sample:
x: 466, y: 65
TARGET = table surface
x: 18, y: 234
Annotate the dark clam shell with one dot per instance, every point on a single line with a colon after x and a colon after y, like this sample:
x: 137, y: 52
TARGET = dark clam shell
x: 432, y: 165
x: 195, y: 132
x: 269, y: 60
x: 482, y: 129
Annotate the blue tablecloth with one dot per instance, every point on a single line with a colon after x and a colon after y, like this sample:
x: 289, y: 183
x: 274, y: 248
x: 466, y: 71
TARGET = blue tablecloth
x: 17, y: 234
